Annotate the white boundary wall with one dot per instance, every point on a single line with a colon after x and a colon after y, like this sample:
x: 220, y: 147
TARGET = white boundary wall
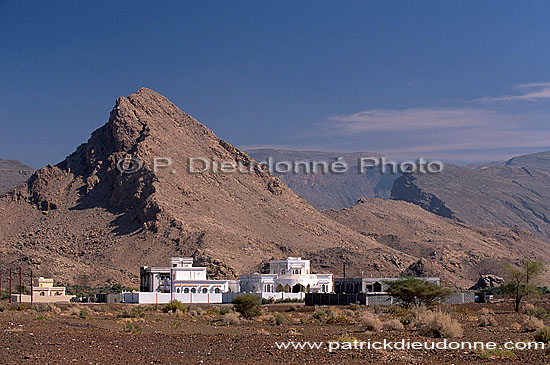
x: 163, y: 298
x: 198, y: 298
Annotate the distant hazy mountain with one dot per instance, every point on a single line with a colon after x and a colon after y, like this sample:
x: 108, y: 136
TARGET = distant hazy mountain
x: 540, y: 160
x: 485, y: 165
x: 517, y: 193
x: 12, y: 173
x: 445, y: 247
x: 331, y: 191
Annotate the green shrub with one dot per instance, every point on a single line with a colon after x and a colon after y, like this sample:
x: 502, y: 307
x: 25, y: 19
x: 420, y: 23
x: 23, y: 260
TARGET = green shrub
x: 224, y: 310
x: 543, y: 335
x: 496, y: 353
x: 40, y: 318
x: 134, y: 312
x: 268, y: 301
x: 279, y: 319
x: 338, y: 320
x: 173, y: 306
x: 537, y: 312
x: 322, y: 313
x: 248, y: 305
x: 84, y: 314
x: 3, y: 307
x: 132, y: 327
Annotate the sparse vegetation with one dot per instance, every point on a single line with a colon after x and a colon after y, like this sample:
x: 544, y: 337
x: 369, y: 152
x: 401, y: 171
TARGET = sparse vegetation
x: 370, y: 321
x: 248, y: 305
x: 131, y: 312
x: 543, y: 335
x: 537, y: 312
x: 393, y: 325
x: 132, y: 327
x: 416, y: 292
x: 279, y: 319
x: 231, y: 318
x: 173, y: 306
x: 521, y: 281
x: 496, y: 354
x: 84, y: 314
x: 40, y: 318
x: 278, y: 301
x: 487, y: 318
x: 438, y: 324
x: 531, y: 324
x: 346, y: 337
x: 322, y: 313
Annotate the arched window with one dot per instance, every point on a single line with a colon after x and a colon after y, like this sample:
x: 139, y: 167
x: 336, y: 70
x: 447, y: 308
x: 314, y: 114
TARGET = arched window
x: 204, y: 290
x: 323, y: 288
x: 186, y: 290
x: 283, y: 272
x: 178, y: 290
x: 193, y: 290
x: 217, y: 290
x: 42, y: 294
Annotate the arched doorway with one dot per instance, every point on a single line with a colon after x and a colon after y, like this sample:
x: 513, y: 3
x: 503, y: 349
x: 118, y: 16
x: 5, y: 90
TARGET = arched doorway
x: 297, y: 288
x: 377, y: 287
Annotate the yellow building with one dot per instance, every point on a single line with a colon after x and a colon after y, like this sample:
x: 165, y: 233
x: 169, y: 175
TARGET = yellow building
x: 45, y: 292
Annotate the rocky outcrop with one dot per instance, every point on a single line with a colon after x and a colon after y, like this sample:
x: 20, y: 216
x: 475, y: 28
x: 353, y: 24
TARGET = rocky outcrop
x: 488, y: 281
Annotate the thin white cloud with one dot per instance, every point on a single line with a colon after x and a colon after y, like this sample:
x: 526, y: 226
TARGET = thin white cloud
x: 534, y: 91
x: 410, y: 119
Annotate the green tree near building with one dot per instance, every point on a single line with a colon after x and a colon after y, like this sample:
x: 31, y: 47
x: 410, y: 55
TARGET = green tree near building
x: 521, y: 280
x: 412, y: 291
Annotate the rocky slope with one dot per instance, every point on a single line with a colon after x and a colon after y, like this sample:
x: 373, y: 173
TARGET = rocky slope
x: 446, y: 248
x: 505, y: 196
x: 83, y: 221
x: 540, y: 160
x: 13, y: 173
x: 330, y: 190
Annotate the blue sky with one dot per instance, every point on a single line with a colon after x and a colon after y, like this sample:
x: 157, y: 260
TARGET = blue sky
x: 460, y: 81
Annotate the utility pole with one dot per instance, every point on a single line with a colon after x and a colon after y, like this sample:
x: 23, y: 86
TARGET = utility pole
x: 344, y: 269
x: 20, y: 284
x: 31, y: 289
x: 10, y: 287
x: 1, y: 286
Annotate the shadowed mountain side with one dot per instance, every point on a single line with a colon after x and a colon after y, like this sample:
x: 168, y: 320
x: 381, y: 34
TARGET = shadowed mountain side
x: 445, y: 247
x: 504, y: 196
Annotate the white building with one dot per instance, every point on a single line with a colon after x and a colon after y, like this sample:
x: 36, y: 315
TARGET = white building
x: 180, y: 281
x: 292, y: 275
